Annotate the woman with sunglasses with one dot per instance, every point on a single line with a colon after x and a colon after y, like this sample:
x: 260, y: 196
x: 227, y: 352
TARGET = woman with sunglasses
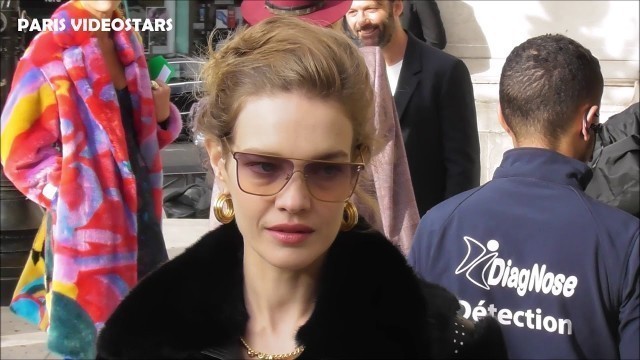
x: 396, y: 213
x: 292, y: 273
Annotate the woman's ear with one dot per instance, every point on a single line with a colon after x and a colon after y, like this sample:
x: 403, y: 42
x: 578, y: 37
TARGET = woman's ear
x: 218, y: 162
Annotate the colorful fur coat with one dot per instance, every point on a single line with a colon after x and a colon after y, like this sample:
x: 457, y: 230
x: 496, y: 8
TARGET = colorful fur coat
x: 63, y: 146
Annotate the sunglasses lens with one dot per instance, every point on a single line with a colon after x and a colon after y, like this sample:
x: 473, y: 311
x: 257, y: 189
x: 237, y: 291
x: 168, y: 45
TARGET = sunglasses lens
x: 331, y: 181
x: 262, y: 175
x: 267, y: 175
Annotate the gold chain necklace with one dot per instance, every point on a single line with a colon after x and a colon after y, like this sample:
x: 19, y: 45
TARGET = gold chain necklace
x: 260, y: 355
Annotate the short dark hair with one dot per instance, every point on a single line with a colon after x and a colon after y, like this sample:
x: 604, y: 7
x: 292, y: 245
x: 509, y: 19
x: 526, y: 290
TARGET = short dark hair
x: 544, y: 81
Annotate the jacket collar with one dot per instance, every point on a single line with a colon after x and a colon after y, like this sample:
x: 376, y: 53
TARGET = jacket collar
x: 411, y: 67
x: 362, y: 310
x: 545, y: 165
x: 84, y: 64
x: 67, y: 36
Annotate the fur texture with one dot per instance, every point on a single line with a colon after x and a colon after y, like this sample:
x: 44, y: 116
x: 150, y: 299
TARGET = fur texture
x: 370, y: 305
x: 64, y: 147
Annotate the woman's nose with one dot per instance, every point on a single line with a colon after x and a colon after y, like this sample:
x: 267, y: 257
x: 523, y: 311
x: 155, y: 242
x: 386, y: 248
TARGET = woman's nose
x: 295, y: 196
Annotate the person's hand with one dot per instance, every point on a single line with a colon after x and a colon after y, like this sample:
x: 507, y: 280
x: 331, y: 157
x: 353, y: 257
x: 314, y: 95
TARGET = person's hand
x: 161, y: 92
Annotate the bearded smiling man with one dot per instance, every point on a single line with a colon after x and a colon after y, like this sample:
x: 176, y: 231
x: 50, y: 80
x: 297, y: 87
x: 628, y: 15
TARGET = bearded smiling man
x: 375, y: 29
x: 434, y: 100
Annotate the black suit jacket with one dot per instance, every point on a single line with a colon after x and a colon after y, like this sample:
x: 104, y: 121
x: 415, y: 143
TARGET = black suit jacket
x: 435, y: 103
x: 422, y: 19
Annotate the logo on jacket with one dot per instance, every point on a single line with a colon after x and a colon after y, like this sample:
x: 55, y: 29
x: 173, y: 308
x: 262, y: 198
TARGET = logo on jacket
x: 484, y: 268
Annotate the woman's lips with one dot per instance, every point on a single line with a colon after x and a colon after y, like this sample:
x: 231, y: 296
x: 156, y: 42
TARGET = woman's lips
x: 290, y: 234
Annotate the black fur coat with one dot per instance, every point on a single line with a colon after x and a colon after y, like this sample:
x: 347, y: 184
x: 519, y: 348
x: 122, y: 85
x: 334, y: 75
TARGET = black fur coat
x: 370, y: 305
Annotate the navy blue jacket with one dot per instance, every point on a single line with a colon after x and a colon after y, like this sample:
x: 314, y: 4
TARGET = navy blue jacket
x: 558, y: 269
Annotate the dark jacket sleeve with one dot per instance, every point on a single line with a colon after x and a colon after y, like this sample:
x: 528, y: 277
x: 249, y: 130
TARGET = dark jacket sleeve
x: 422, y: 19
x: 629, y: 325
x: 459, y: 131
x: 621, y: 125
x: 616, y: 179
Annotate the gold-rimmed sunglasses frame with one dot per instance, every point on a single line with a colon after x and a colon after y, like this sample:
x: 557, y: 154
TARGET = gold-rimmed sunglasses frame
x: 359, y: 169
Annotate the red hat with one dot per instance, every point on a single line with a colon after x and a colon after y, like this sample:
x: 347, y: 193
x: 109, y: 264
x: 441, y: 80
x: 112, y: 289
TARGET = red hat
x: 323, y: 13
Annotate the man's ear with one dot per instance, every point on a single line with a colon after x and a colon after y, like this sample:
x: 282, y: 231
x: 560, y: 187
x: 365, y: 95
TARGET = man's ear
x: 397, y: 8
x: 503, y: 123
x: 592, y: 116
x: 218, y: 162
x: 506, y: 127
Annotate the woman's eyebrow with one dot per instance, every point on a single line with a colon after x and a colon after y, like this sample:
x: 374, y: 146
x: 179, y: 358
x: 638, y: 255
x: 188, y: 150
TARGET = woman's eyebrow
x: 331, y: 155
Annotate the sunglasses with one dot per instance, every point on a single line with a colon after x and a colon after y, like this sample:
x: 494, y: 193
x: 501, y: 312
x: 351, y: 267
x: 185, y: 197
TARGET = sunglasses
x: 266, y: 175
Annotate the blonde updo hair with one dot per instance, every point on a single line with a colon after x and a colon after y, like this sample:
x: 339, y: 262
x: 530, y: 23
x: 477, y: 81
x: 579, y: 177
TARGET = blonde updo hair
x: 285, y: 54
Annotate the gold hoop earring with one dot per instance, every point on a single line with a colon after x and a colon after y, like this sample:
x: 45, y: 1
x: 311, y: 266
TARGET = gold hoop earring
x: 349, y: 217
x: 223, y: 209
